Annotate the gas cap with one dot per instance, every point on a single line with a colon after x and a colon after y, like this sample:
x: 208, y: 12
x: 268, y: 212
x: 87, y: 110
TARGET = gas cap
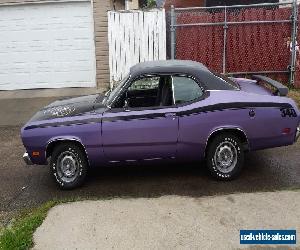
x: 252, y: 113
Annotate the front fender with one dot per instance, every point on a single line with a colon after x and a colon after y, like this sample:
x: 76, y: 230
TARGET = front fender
x: 63, y: 138
x: 87, y: 134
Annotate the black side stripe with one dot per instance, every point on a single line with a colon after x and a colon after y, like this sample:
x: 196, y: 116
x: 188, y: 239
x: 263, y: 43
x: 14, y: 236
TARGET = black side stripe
x: 66, y: 123
x: 210, y: 108
x: 234, y: 105
x: 134, y: 117
x: 205, y: 109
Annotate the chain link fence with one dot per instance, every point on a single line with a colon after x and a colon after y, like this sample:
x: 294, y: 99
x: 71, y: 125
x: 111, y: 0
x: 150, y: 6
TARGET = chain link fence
x: 239, y: 39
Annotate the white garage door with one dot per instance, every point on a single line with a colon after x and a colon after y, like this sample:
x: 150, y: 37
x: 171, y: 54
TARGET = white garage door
x: 47, y: 46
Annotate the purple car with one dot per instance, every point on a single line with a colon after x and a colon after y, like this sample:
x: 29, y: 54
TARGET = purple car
x: 162, y: 111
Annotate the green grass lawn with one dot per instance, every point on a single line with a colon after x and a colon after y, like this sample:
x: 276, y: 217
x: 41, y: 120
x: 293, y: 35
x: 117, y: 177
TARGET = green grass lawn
x: 19, y: 234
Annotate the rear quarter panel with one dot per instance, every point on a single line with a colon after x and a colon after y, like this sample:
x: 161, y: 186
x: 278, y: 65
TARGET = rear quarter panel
x: 264, y: 130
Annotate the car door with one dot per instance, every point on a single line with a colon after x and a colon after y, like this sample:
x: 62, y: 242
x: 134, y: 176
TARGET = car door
x: 189, y: 97
x: 145, y: 129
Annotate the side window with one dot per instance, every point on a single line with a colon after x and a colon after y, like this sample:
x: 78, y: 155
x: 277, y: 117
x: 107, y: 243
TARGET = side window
x: 147, y: 91
x: 185, y: 89
x: 145, y: 83
x: 143, y: 93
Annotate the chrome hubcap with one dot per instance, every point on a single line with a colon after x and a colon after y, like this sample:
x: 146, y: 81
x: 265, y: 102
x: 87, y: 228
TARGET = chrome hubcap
x: 67, y: 166
x: 225, y: 157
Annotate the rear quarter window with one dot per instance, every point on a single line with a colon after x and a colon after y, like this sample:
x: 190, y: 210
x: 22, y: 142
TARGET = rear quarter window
x: 185, y: 89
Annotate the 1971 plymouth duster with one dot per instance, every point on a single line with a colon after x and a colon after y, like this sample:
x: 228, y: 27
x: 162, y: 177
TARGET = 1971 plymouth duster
x: 163, y: 110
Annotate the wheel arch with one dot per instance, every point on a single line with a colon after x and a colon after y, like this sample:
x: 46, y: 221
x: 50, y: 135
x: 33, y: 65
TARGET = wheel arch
x: 56, y: 141
x: 240, y: 133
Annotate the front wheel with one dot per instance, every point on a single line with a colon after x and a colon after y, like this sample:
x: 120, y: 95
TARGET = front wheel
x: 68, y: 165
x: 225, y: 157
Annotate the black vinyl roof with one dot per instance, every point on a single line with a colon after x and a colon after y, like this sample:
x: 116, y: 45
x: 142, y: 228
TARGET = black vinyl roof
x: 206, y: 78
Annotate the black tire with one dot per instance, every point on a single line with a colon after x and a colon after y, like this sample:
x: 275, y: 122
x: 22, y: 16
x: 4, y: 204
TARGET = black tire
x: 72, y: 155
x: 227, y: 147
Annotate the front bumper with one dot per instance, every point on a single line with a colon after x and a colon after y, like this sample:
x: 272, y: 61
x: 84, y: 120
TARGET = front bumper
x: 27, y: 159
x: 297, y: 133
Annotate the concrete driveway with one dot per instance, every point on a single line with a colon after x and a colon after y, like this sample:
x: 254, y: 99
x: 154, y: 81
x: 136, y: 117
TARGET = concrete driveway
x: 168, y: 222
x: 25, y: 187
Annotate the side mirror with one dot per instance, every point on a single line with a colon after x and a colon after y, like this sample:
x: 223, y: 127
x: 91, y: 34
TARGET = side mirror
x: 126, y: 104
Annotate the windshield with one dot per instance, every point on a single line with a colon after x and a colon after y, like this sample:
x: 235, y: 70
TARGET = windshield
x: 227, y: 80
x: 112, y: 94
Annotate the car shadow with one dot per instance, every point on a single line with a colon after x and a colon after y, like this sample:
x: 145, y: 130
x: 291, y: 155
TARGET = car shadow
x: 21, y: 186
x: 185, y: 179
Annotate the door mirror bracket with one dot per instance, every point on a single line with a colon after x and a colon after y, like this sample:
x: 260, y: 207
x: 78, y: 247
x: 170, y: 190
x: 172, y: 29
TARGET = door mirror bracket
x: 126, y: 104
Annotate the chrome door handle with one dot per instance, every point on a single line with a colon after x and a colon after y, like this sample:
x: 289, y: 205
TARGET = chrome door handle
x: 170, y: 115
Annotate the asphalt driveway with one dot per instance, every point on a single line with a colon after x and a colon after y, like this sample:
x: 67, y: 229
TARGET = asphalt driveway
x: 24, y: 187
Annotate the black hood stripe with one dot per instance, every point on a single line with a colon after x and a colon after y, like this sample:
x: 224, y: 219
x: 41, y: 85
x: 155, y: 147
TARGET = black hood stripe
x: 69, y: 107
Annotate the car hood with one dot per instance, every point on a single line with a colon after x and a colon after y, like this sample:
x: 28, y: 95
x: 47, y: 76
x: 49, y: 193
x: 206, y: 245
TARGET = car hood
x: 69, y: 107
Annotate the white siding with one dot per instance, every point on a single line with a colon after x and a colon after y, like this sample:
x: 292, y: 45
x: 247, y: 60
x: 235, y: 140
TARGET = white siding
x: 133, y: 37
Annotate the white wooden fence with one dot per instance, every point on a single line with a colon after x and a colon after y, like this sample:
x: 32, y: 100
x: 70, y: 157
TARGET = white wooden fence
x: 134, y: 36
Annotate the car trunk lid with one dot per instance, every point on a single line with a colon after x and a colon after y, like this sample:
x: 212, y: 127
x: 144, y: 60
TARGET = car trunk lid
x: 251, y: 86
x: 261, y: 85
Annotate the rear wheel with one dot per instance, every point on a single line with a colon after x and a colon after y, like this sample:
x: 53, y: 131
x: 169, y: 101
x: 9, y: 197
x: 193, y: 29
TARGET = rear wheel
x: 68, y: 165
x: 225, y: 156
